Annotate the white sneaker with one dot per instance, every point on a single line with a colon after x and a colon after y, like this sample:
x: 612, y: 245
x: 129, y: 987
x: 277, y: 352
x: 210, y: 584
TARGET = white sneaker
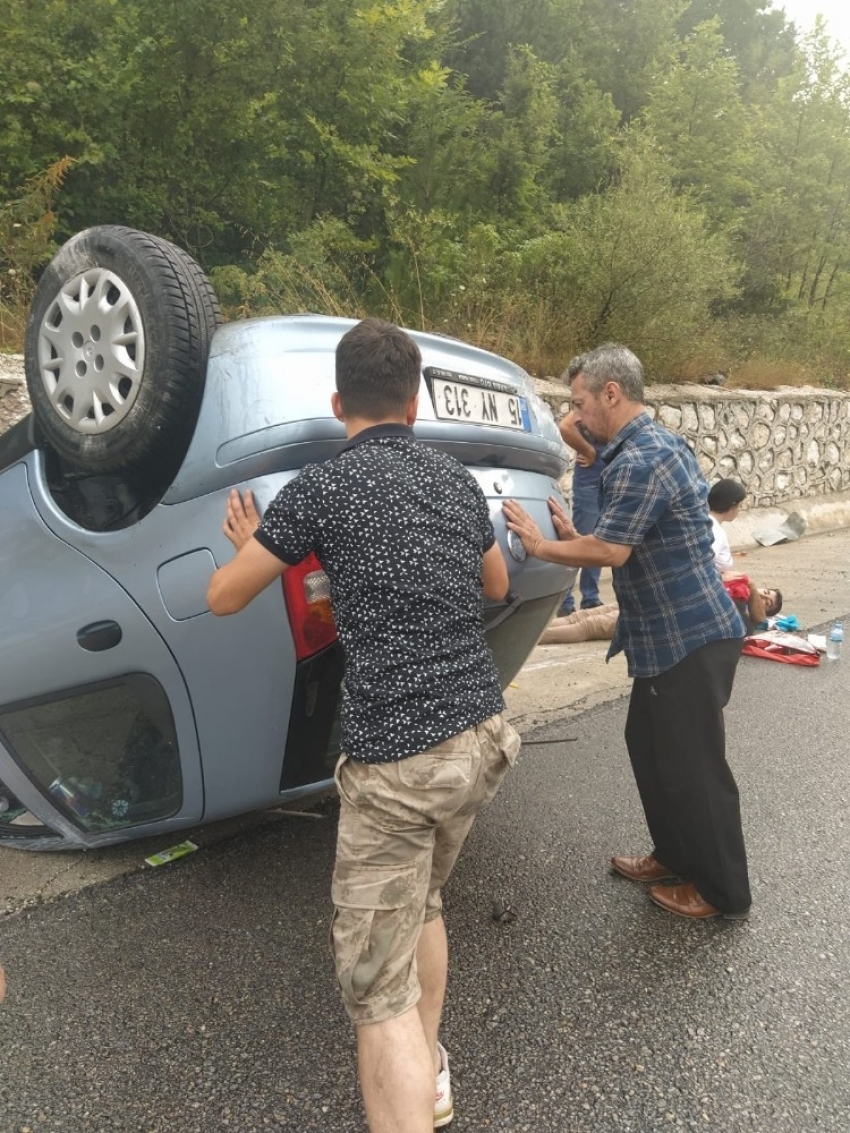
x: 444, y: 1109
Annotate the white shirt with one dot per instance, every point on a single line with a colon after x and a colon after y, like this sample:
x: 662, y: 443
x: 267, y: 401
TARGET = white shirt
x: 720, y: 546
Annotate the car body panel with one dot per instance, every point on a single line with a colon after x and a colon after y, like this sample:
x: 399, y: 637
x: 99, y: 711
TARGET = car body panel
x: 239, y: 671
x: 52, y: 593
x: 267, y: 406
x: 254, y: 726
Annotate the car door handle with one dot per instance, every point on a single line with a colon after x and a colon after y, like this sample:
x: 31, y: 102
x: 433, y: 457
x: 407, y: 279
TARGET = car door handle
x: 98, y: 636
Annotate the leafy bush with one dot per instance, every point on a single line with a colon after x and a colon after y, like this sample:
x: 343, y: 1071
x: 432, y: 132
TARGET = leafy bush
x: 326, y: 271
x: 27, y: 224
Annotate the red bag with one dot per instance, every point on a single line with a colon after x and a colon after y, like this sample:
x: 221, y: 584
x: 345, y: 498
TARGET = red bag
x: 775, y: 645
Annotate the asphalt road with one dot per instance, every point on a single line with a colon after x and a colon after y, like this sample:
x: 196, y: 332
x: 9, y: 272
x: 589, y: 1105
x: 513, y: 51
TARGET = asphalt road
x: 199, y: 996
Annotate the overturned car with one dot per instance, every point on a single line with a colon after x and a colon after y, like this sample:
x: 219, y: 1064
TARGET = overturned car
x: 126, y: 708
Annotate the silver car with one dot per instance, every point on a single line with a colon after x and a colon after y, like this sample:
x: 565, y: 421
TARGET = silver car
x: 126, y: 708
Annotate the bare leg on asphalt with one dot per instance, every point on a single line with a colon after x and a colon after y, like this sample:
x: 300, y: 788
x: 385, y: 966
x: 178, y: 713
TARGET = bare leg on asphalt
x: 396, y: 1075
x: 432, y: 962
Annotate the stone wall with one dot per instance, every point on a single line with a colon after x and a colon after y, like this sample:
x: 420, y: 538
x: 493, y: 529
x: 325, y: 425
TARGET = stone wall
x: 784, y: 445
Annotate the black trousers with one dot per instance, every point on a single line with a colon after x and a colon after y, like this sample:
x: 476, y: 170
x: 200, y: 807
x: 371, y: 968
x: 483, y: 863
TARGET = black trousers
x: 677, y: 745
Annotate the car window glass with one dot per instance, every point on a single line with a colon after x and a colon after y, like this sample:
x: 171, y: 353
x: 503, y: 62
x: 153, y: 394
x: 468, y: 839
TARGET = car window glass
x: 106, y: 755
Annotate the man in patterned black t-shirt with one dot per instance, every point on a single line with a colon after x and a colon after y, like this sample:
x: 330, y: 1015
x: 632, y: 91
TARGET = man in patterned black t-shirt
x: 404, y: 535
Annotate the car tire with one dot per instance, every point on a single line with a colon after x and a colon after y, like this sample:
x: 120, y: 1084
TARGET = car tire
x: 200, y: 293
x: 116, y: 351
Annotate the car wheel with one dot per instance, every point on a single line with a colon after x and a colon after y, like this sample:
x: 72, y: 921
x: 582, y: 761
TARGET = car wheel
x: 116, y: 350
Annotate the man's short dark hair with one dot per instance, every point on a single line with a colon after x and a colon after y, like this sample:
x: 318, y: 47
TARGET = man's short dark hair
x: 378, y: 370
x: 725, y: 494
x: 773, y: 607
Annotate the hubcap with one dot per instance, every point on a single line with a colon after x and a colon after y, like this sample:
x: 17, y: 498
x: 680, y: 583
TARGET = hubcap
x: 91, y: 351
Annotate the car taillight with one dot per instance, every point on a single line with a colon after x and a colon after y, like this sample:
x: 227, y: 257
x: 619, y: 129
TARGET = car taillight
x: 307, y: 590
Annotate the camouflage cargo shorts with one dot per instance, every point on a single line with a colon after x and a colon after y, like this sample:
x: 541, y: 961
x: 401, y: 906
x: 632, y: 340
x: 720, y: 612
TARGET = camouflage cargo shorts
x: 401, y: 827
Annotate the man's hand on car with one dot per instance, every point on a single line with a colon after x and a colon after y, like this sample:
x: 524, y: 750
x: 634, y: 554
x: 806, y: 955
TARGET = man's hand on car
x: 241, y: 519
x: 562, y: 522
x: 520, y: 521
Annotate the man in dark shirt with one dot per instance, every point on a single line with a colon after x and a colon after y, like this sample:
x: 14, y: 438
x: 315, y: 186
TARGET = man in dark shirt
x: 404, y: 535
x: 680, y: 631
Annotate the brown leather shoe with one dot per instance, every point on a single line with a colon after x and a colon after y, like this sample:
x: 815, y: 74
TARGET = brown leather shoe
x: 684, y: 901
x: 646, y: 868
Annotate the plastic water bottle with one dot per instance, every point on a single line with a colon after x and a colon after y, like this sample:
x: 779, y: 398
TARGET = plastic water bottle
x: 834, y: 640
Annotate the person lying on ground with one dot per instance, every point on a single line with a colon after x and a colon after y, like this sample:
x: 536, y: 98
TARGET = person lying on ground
x: 596, y: 624
x: 755, y: 603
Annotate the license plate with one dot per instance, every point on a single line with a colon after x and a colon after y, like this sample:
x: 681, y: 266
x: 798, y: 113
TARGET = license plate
x: 458, y: 401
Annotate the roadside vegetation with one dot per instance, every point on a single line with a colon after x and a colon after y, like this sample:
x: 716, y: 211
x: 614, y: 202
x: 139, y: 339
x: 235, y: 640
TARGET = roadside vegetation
x: 535, y: 176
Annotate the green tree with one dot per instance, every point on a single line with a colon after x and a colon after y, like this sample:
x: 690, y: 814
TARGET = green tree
x: 63, y: 84
x: 757, y: 36
x: 622, y: 43
x: 214, y: 121
x: 697, y: 115
x: 797, y: 234
x: 636, y: 263
x: 445, y: 136
x: 520, y: 137
x: 486, y: 32
x: 581, y: 157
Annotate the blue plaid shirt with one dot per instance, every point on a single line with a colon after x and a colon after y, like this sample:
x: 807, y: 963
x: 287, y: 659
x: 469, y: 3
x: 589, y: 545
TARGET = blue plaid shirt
x: 654, y: 499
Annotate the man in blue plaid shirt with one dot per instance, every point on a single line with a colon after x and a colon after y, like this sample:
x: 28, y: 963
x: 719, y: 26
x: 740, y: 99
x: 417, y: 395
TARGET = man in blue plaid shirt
x: 678, y: 627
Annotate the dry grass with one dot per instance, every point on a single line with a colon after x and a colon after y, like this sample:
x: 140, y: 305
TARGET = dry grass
x: 769, y: 374
x: 12, y: 324
x: 521, y: 330
x: 699, y: 366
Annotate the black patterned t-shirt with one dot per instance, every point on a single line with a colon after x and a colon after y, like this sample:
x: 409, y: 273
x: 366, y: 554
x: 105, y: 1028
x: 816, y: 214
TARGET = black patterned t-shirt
x: 400, y: 530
